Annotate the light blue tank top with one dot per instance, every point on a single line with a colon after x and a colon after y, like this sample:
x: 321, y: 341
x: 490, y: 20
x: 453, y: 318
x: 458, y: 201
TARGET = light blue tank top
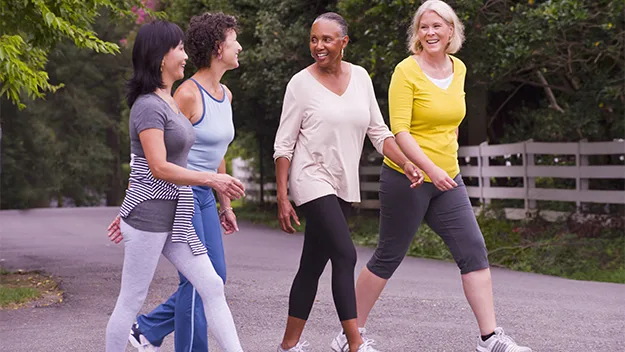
x: 213, y: 132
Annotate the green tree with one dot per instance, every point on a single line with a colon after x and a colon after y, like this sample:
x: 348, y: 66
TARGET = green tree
x: 31, y: 28
x: 68, y: 146
x: 552, y: 66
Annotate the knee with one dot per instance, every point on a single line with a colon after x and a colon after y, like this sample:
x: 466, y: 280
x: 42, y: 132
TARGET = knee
x: 210, y: 287
x: 474, y: 256
x: 383, y: 264
x: 132, y: 301
x: 345, y: 259
x: 221, y: 271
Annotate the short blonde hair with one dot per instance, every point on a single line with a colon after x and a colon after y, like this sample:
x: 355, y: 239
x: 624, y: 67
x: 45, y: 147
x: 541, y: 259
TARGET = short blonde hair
x: 448, y: 15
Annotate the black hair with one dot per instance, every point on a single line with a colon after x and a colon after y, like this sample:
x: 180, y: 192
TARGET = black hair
x: 204, y: 35
x: 336, y: 18
x: 153, y: 42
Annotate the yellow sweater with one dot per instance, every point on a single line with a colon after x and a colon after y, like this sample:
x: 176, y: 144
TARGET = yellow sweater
x: 431, y: 114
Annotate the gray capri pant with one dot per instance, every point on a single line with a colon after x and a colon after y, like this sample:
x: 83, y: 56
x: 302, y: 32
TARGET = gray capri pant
x: 449, y: 214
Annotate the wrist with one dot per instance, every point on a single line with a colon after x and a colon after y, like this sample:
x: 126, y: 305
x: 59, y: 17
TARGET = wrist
x: 429, y: 168
x: 282, y: 196
x: 209, y: 179
x: 225, y: 210
x: 224, y: 201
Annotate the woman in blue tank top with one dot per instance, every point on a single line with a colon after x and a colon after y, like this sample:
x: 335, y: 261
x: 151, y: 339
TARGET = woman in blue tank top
x: 212, y: 46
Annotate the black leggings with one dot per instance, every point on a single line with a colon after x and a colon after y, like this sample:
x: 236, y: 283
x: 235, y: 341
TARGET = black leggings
x: 326, y: 238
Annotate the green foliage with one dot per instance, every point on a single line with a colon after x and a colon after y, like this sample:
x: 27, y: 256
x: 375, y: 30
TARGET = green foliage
x: 67, y: 148
x: 31, y: 28
x: 22, y: 69
x: 577, y: 46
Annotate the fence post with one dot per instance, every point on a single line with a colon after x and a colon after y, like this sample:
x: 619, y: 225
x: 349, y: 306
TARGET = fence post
x: 581, y: 183
x: 529, y: 182
x: 483, y: 161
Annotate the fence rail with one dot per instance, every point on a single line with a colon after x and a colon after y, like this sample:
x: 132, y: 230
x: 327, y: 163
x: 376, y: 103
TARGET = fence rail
x: 478, y: 165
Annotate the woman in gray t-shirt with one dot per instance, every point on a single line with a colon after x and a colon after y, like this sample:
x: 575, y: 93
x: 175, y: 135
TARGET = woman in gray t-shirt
x: 156, y: 217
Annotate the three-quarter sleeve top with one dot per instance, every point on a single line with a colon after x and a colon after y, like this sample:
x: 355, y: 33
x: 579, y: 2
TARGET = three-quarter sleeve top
x: 322, y: 134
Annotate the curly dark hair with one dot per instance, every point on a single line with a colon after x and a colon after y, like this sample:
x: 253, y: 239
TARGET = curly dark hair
x: 204, y: 35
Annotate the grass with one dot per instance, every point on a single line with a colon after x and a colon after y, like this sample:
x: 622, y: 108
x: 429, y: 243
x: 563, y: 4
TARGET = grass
x: 587, y: 251
x: 19, y: 289
x: 17, y: 295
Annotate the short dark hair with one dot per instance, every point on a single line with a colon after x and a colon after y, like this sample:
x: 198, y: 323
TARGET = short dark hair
x: 205, y: 33
x: 153, y: 42
x: 336, y: 18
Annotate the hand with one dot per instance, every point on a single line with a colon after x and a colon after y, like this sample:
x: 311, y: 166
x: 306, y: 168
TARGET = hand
x: 115, y: 233
x: 441, y: 179
x: 228, y: 186
x: 229, y: 222
x: 285, y: 212
x: 414, y: 174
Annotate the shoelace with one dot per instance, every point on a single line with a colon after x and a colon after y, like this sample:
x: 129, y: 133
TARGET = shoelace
x: 367, y: 344
x: 501, y: 336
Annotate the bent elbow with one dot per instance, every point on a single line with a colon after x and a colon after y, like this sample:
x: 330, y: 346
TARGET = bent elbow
x: 158, y: 171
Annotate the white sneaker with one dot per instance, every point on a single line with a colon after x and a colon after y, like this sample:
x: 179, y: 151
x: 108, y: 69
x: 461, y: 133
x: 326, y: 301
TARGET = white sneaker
x: 139, y: 341
x: 340, y: 344
x: 297, y: 348
x: 367, y: 346
x: 500, y: 342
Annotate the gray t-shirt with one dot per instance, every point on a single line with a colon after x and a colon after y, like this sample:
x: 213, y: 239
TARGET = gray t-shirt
x: 151, y: 111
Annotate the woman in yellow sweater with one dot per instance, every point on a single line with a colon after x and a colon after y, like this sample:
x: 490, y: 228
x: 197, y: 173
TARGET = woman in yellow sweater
x: 426, y: 99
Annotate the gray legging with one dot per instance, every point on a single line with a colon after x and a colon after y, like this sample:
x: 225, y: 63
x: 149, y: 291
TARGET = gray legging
x: 449, y: 214
x: 142, y: 250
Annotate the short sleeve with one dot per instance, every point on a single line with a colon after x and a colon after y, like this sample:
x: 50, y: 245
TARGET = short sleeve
x: 147, y: 114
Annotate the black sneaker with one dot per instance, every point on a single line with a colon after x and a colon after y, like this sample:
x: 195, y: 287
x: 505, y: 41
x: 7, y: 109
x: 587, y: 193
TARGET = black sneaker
x: 139, y: 341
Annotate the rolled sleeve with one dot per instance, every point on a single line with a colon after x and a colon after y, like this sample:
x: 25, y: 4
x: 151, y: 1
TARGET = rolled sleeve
x: 377, y: 131
x: 400, y: 101
x: 289, y: 128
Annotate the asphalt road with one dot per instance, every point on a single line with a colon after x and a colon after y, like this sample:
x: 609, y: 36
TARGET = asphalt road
x: 422, y: 309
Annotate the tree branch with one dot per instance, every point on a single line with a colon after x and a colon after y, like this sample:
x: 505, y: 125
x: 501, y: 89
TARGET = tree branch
x: 552, y: 98
x: 492, y: 118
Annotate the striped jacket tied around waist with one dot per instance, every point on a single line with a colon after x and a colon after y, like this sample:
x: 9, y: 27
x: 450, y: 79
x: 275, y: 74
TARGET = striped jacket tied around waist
x: 144, y: 186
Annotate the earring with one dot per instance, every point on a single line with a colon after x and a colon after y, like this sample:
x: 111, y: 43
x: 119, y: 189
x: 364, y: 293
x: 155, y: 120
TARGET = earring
x: 162, y: 64
x: 342, y: 52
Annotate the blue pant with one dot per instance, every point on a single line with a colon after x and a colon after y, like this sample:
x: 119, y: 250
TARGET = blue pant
x: 183, y: 311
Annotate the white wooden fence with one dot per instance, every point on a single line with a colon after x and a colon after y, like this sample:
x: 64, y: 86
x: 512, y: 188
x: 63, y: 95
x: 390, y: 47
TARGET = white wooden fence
x: 527, y: 172
x: 521, y: 164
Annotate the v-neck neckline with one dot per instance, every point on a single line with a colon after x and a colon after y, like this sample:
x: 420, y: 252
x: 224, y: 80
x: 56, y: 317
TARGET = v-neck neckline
x: 427, y: 78
x: 349, y: 83
x: 169, y: 105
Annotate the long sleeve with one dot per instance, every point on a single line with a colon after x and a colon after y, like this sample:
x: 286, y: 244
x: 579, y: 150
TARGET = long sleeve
x: 289, y: 128
x: 400, y: 100
x: 377, y: 130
